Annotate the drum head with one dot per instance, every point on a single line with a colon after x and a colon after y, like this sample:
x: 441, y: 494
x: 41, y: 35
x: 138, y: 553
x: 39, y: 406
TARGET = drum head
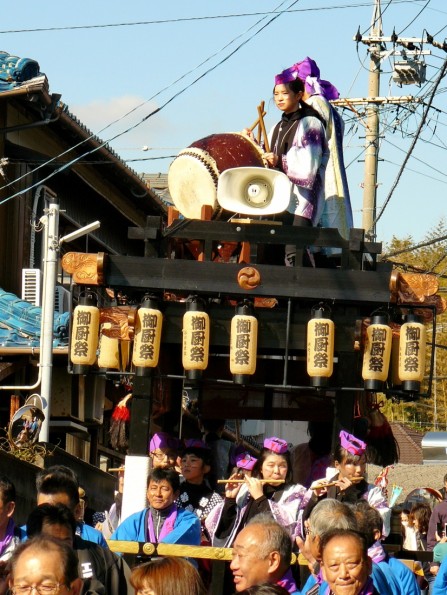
x: 194, y: 173
x: 192, y: 181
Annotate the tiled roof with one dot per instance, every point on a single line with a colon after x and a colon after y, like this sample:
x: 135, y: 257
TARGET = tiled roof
x: 409, y: 441
x: 20, y: 323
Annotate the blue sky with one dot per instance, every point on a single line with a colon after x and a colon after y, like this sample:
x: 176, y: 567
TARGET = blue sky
x: 104, y: 72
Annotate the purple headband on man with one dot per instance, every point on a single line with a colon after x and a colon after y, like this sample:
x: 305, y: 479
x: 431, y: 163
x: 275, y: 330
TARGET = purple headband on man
x: 308, y: 71
x: 353, y: 445
x: 163, y: 440
x: 245, y: 461
x: 277, y: 445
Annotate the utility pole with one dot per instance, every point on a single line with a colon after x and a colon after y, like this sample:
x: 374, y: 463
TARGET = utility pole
x: 409, y: 69
x: 50, y: 276
x: 372, y: 129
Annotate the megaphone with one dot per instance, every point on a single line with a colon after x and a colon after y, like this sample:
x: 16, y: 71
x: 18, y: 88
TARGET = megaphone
x: 253, y: 191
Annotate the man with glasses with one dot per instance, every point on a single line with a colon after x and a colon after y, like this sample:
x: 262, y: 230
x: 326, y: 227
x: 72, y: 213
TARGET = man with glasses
x: 45, y: 566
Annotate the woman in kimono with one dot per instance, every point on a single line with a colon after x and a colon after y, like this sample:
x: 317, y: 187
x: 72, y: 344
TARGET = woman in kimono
x: 351, y: 485
x: 337, y: 211
x: 269, y: 489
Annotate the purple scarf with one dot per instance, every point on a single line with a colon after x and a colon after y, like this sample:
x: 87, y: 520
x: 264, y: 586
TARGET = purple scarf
x: 287, y: 582
x: 9, y: 534
x: 376, y: 552
x: 168, y: 524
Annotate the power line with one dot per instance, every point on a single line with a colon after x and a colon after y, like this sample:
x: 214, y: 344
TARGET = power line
x: 416, y: 17
x: 150, y: 99
x: 413, y: 144
x: 189, y: 19
x: 167, y: 102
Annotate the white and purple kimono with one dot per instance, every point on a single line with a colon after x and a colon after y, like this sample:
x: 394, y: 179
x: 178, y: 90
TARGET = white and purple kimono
x: 299, y: 140
x: 286, y: 506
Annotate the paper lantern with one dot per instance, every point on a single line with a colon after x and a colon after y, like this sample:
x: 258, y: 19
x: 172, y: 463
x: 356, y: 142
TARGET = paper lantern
x: 196, y: 340
x: 84, y: 334
x: 376, y: 358
x: 148, y: 327
x: 243, y: 343
x: 412, y: 347
x: 320, y: 347
x: 113, y: 353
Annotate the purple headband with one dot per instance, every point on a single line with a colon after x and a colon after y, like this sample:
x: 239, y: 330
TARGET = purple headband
x: 308, y: 71
x: 195, y: 443
x: 352, y: 444
x: 276, y: 445
x: 163, y: 440
x: 245, y: 461
x: 286, y: 76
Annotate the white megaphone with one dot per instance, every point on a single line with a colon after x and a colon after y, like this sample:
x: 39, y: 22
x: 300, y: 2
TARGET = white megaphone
x: 253, y: 191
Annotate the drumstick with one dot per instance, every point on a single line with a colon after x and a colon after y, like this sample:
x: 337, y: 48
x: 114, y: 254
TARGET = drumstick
x: 316, y: 485
x: 244, y: 481
x: 253, y: 126
x: 264, y: 132
x: 261, y: 111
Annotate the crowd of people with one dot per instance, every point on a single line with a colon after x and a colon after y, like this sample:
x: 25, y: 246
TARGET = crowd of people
x: 337, y: 523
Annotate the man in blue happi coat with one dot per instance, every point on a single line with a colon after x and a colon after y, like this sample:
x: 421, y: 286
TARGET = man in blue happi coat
x: 162, y: 521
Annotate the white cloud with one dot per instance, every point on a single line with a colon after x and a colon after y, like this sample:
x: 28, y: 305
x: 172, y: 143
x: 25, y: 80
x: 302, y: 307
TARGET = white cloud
x: 98, y: 114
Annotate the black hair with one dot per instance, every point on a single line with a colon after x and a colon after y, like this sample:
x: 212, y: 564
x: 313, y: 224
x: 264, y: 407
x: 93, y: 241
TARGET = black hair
x: 341, y: 455
x: 60, y: 484
x: 265, y: 452
x: 159, y: 474
x: 42, y: 543
x: 55, y: 470
x: 7, y: 490
x: 51, y: 514
x: 368, y: 520
x: 296, y: 86
x: 201, y: 453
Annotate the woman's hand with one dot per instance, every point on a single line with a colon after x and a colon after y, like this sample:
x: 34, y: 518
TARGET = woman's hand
x: 305, y: 547
x: 343, y: 483
x: 249, y: 133
x: 254, y: 487
x: 232, y: 489
x: 270, y: 159
x: 319, y: 489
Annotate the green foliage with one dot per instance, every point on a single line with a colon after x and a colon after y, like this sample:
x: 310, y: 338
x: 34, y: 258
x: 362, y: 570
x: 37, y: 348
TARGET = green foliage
x: 431, y: 257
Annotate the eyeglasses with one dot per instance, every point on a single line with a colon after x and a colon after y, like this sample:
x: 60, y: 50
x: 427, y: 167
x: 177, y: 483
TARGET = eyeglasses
x: 161, y: 456
x: 42, y: 589
x: 307, y: 530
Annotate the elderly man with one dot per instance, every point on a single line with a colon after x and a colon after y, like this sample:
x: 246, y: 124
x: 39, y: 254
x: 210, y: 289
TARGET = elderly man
x: 44, y: 565
x: 162, y: 521
x: 345, y: 564
x: 102, y: 571
x: 329, y: 515
x: 261, y: 554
